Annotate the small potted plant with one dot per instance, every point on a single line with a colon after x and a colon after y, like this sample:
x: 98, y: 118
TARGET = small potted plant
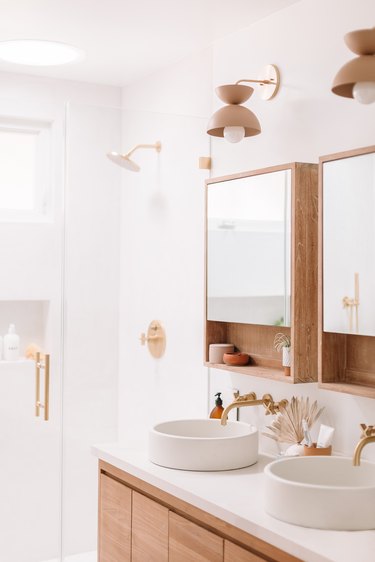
x: 282, y: 343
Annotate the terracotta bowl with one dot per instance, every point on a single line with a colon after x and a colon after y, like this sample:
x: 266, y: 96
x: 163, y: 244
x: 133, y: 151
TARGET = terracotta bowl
x: 236, y: 359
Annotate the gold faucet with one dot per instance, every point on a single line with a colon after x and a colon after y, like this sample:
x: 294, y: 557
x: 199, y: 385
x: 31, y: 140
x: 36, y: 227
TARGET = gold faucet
x: 251, y: 400
x: 368, y: 436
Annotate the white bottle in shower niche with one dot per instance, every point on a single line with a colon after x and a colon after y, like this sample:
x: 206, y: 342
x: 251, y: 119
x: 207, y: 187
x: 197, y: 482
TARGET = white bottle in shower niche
x: 11, y: 344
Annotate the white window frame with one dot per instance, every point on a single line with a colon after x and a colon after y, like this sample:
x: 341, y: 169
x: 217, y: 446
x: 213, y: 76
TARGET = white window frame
x: 42, y: 211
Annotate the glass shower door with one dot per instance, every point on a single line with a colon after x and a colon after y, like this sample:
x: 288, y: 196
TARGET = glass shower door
x: 31, y: 290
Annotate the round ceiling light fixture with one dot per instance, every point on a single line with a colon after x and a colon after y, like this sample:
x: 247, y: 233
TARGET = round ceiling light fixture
x: 37, y: 52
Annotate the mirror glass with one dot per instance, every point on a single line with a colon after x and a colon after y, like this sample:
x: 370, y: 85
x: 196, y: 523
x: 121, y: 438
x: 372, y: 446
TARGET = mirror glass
x: 349, y: 245
x: 249, y: 248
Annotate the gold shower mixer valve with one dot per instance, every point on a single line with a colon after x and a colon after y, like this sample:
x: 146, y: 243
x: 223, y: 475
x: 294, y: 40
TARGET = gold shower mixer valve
x: 155, y: 339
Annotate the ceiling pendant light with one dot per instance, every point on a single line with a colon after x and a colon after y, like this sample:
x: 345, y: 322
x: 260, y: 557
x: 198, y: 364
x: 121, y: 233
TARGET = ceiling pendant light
x: 356, y: 79
x: 234, y: 121
x: 36, y: 52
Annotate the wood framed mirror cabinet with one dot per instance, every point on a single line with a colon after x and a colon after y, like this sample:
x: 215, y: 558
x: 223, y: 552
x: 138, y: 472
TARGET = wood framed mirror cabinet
x: 261, y: 274
x: 346, y: 352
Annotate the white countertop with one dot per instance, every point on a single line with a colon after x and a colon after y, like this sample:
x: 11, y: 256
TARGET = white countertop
x: 237, y: 497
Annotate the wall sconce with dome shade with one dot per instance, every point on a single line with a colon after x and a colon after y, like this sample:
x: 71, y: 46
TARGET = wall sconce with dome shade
x: 234, y: 121
x: 356, y: 79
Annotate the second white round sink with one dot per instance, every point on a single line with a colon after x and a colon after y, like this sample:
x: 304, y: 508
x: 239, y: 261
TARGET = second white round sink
x: 322, y: 492
x: 203, y: 445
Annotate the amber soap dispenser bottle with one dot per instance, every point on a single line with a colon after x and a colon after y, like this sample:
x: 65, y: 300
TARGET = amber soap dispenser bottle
x: 218, y: 410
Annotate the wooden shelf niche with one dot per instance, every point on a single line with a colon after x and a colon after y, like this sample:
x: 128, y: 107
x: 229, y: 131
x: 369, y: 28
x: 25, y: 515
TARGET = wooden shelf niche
x: 346, y: 361
x: 257, y: 340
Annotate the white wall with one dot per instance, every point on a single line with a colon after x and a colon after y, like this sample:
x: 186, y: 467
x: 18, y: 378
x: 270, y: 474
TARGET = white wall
x: 162, y: 252
x: 304, y: 121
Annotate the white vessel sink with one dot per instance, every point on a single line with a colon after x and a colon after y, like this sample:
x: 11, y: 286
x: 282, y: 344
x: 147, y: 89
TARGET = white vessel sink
x: 203, y: 444
x: 322, y: 492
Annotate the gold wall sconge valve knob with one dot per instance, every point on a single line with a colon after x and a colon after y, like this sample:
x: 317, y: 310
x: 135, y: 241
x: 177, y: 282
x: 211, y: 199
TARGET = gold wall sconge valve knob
x: 155, y: 339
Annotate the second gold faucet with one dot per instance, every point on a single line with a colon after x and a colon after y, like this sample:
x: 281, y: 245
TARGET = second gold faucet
x: 250, y: 399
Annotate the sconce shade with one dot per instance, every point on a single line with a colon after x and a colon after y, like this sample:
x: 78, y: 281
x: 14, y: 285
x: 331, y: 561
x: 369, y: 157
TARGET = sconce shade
x: 361, y: 41
x: 233, y: 116
x: 359, y: 70
x: 234, y: 93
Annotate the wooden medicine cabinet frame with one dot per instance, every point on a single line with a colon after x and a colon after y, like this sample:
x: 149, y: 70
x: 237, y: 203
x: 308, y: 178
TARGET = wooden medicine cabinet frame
x: 346, y: 362
x: 257, y: 340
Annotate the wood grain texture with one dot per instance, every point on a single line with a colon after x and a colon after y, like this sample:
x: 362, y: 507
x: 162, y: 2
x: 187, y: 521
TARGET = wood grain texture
x: 234, y: 553
x: 305, y: 273
x: 114, y: 521
x: 346, y: 362
x: 258, y: 340
x: 198, y: 516
x: 255, y: 371
x: 189, y: 542
x: 149, y: 530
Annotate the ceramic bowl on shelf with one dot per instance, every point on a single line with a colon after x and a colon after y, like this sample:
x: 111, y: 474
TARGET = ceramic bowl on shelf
x: 236, y: 359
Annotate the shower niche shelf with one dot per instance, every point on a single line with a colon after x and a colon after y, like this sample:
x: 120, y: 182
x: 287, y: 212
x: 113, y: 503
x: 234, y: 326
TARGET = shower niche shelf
x: 31, y: 318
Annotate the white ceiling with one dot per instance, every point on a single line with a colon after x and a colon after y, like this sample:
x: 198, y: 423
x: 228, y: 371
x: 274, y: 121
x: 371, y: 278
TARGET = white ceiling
x: 125, y: 40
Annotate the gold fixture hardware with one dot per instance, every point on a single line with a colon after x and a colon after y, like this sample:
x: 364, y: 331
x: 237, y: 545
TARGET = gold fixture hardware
x: 356, y: 79
x: 270, y: 81
x: 353, y: 303
x: 205, y: 163
x: 125, y: 161
x: 155, y: 339
x: 250, y: 399
x: 234, y: 121
x: 368, y: 436
x: 42, y: 365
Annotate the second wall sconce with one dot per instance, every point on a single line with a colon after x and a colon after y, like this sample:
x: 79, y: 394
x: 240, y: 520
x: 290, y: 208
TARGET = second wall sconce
x: 356, y: 79
x: 234, y: 121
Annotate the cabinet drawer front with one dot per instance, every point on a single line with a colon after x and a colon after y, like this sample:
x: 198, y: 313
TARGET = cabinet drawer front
x: 234, y: 553
x: 189, y: 542
x: 114, y: 521
x: 149, y: 530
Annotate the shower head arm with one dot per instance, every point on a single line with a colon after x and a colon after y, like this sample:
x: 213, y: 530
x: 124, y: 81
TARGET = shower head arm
x: 156, y: 146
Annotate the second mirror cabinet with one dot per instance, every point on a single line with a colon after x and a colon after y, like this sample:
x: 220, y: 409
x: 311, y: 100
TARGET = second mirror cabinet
x: 347, y: 272
x: 261, y: 268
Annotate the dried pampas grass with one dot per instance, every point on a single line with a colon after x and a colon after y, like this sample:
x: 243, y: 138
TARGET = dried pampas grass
x: 287, y: 427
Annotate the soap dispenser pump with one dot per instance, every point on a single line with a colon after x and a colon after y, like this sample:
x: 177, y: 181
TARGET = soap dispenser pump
x: 218, y: 410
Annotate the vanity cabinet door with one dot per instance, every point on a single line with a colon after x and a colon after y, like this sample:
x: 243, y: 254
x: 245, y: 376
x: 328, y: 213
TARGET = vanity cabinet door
x: 149, y: 530
x: 189, y: 542
x: 114, y: 521
x: 234, y: 553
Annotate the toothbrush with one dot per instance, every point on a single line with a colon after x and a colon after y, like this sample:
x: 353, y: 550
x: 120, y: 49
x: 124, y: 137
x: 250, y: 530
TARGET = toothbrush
x: 306, y: 433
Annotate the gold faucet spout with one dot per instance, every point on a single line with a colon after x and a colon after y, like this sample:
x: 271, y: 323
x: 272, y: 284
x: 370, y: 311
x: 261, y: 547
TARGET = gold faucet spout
x: 368, y: 436
x: 251, y: 400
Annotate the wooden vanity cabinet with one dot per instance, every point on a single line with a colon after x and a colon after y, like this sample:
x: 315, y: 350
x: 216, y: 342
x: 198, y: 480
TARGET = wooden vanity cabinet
x: 139, y: 522
x: 149, y: 530
x: 258, y: 340
x: 189, y: 541
x: 234, y: 553
x: 115, y: 513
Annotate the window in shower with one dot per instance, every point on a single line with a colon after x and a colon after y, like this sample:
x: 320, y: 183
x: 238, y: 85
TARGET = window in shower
x: 25, y: 170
